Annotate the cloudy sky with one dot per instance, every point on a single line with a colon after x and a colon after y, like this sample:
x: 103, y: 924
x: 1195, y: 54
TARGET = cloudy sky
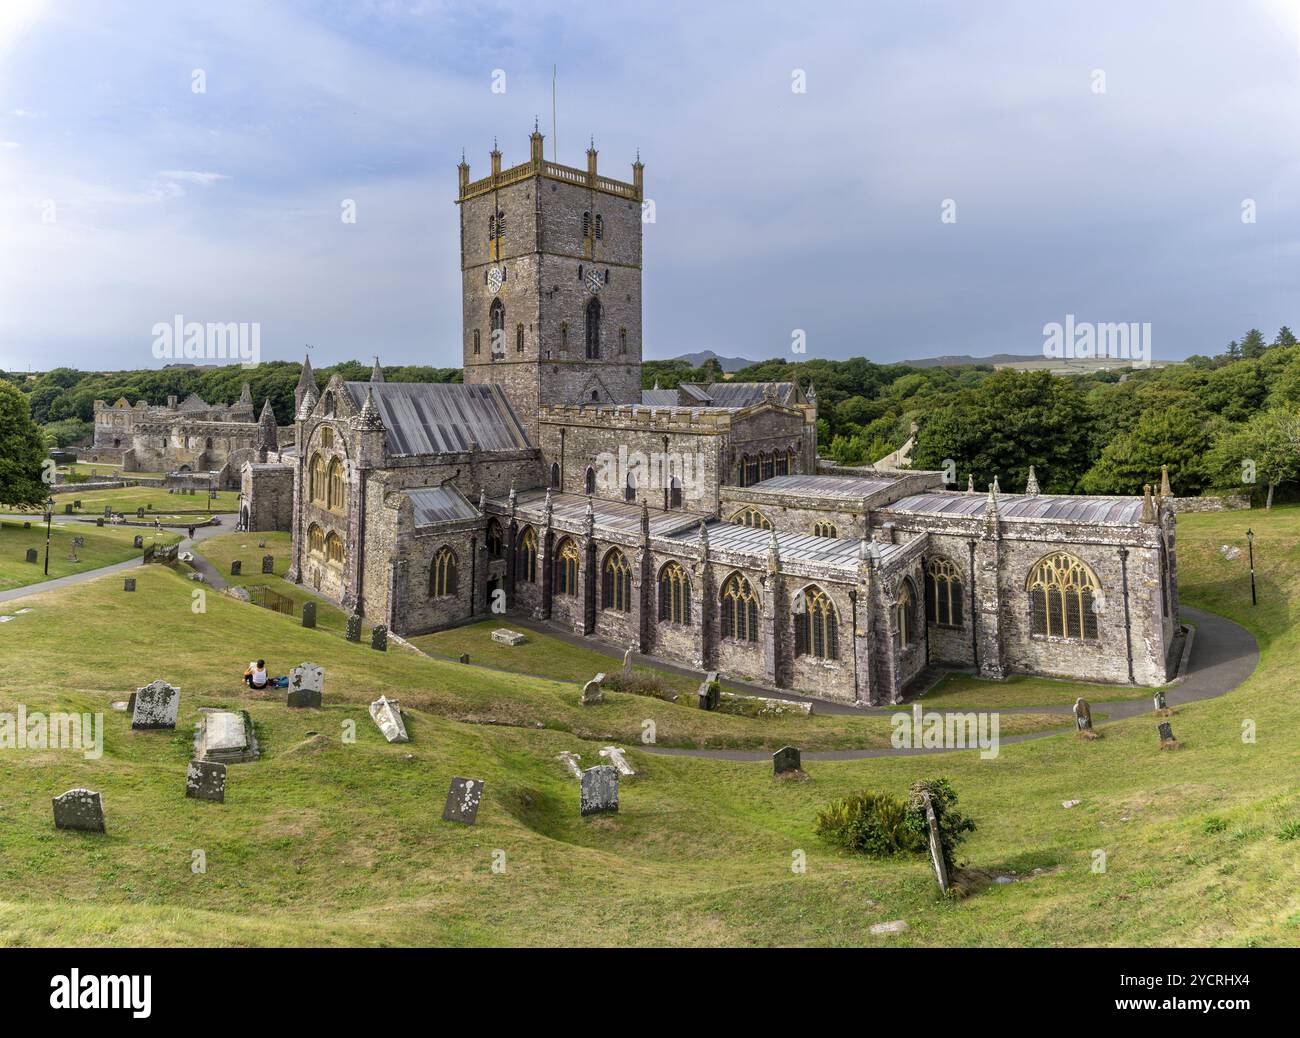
x: 1097, y: 156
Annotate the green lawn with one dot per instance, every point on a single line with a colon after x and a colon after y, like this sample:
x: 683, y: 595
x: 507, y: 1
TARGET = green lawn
x: 103, y: 469
x: 328, y: 841
x: 127, y: 499
x: 967, y: 691
x: 104, y: 546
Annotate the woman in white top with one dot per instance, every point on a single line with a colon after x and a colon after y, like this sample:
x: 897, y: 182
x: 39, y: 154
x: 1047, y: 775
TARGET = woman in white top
x: 255, y: 675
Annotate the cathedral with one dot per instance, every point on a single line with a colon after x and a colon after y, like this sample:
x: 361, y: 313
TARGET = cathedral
x: 695, y: 523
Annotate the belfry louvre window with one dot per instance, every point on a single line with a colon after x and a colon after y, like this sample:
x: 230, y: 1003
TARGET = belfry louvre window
x: 943, y: 593
x: 1062, y: 590
x: 566, y: 569
x: 739, y: 609
x: 752, y: 517
x: 616, y: 582
x: 600, y: 229
x: 586, y: 225
x: 442, y: 575
x: 816, y: 624
x: 674, y: 594
x: 526, y: 556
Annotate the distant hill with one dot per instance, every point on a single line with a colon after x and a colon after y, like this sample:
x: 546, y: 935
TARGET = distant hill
x: 962, y: 359
x: 1030, y: 362
x: 729, y: 364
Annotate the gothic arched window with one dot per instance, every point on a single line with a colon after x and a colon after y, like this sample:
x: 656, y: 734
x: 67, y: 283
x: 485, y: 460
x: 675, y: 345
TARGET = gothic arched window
x: 497, y: 326
x: 674, y: 493
x: 494, y: 539
x: 739, y: 609
x: 782, y: 464
x: 336, y: 498
x: 616, y: 582
x: 442, y: 574
x: 555, y: 475
x: 674, y: 594
x: 566, y: 568
x: 824, y: 529
x: 316, y: 479
x: 903, y: 608
x: 752, y: 517
x: 334, y: 552
x: 315, y: 540
x: 586, y: 224
x: 1062, y: 590
x: 943, y: 601
x: 600, y: 226
x: 589, y: 483
x: 593, y: 330
x: 526, y: 556
x: 768, y: 469
x: 629, y: 488
x: 751, y: 471
x: 816, y: 624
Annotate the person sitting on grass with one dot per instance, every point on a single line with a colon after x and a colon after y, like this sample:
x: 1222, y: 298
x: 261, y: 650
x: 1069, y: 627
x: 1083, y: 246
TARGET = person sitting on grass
x: 255, y: 676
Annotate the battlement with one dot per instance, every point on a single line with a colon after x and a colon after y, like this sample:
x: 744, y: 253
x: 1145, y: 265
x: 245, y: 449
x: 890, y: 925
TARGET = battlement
x: 699, y: 420
x: 537, y: 166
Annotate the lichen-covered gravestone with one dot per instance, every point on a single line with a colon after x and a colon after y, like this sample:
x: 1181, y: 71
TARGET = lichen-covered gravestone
x: 306, y: 683
x: 1083, y: 719
x: 1167, y: 740
x: 155, y: 706
x: 463, y: 800
x: 268, y: 563
x: 79, y: 809
x: 354, y: 628
x: 1159, y: 702
x: 379, y: 638
x: 226, y: 736
x: 138, y: 542
x: 206, y: 780
x: 309, y: 614
x: 128, y: 584
x: 235, y: 568
x: 785, y: 760
x: 592, y: 692
x: 387, y: 714
x: 599, y: 790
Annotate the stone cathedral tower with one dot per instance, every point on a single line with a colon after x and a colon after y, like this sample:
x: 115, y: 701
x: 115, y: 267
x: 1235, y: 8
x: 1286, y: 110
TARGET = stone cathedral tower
x: 551, y: 274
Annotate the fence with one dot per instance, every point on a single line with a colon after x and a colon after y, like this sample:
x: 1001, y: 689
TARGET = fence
x: 260, y: 594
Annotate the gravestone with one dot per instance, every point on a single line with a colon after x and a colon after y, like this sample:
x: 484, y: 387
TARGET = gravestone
x: 592, y: 692
x: 79, y: 809
x: 627, y: 661
x: 206, y: 780
x: 108, y: 510
x: 139, y: 512
x: 128, y: 584
x: 27, y: 525
x: 508, y: 637
x: 155, y: 706
x: 72, y: 555
x: 354, y: 628
x: 1160, y: 703
x: 379, y: 638
x: 936, y: 845
x: 138, y: 542
x: 235, y: 568
x: 463, y: 658
x: 78, y: 541
x: 387, y: 714
x: 1167, y: 740
x: 77, y: 502
x: 306, y: 683
x: 268, y: 563
x: 309, y: 614
x: 709, y: 694
x: 1083, y: 720
x: 463, y: 800
x: 67, y: 509
x: 99, y: 521
x: 31, y: 554
x: 599, y: 790
x: 785, y: 760
x: 227, y: 737
x: 261, y: 544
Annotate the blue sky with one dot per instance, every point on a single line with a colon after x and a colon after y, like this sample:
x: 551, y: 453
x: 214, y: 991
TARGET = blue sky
x: 775, y: 210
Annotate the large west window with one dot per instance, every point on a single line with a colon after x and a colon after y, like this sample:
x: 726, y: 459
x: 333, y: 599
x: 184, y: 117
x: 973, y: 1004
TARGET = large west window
x: 1062, y: 591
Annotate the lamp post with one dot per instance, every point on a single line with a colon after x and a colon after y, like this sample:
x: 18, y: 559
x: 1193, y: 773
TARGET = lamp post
x: 1250, y: 546
x: 49, y: 522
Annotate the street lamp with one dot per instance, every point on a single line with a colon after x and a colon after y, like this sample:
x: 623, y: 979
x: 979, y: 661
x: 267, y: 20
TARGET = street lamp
x: 49, y: 522
x: 1250, y: 545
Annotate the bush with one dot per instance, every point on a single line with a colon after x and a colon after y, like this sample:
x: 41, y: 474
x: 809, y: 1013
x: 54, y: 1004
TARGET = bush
x: 874, y: 824
x: 953, y: 826
x: 639, y: 683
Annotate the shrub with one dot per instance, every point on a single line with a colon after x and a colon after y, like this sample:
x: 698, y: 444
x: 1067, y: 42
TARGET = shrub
x: 1290, y: 831
x: 1213, y: 824
x: 874, y: 824
x: 953, y: 826
x: 640, y: 683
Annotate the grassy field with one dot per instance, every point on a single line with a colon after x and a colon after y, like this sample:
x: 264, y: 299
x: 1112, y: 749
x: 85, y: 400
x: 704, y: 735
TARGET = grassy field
x: 104, y: 546
x: 127, y: 499
x: 967, y: 691
x: 329, y: 841
x: 94, y: 469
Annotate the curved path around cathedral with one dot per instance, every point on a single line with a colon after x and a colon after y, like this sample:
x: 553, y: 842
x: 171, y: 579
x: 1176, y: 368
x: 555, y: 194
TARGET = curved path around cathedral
x: 1224, y: 654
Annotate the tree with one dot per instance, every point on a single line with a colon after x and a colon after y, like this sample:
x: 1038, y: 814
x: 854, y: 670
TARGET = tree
x: 1265, y: 449
x: 1179, y: 436
x: 1285, y: 337
x: 1253, y: 345
x: 22, y: 451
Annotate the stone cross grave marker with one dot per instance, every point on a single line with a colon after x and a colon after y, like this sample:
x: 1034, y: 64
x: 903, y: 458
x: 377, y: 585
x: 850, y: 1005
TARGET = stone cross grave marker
x: 936, y: 845
x: 615, y: 756
x: 570, y: 761
x: 81, y: 809
x: 155, y: 706
x: 268, y: 563
x: 387, y: 714
x: 306, y: 683
x: 592, y: 691
x: 235, y: 567
x: 206, y: 780
x: 786, y: 760
x: 309, y: 614
x: 354, y: 628
x: 463, y: 800
x: 599, y: 790
x: 379, y: 638
x: 1167, y: 740
x: 128, y: 584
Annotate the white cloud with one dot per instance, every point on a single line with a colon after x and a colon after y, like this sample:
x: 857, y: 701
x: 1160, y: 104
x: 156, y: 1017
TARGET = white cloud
x: 190, y: 176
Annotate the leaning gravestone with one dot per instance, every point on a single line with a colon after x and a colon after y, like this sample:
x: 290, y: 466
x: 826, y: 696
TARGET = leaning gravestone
x: 306, y: 683
x: 709, y: 694
x: 592, y: 691
x: 786, y: 760
x: 463, y: 800
x: 463, y: 658
x: 206, y: 780
x: 155, y: 706
x: 936, y: 845
x: 1167, y: 740
x: 138, y: 542
x: 268, y: 563
x: 387, y: 714
x: 599, y: 790
x: 354, y: 628
x: 1083, y: 719
x: 379, y: 637
x: 235, y: 568
x: 31, y: 554
x: 128, y: 584
x: 309, y: 614
x: 79, y: 809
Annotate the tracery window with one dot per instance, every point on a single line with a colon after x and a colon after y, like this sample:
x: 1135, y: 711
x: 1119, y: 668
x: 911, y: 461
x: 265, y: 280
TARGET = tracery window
x: 1062, y: 591
x: 442, y: 574
x: 752, y: 517
x: 943, y: 593
x: 674, y: 594
x: 526, y: 556
x: 816, y: 624
x: 616, y: 582
x: 739, y: 609
x: 566, y: 568
x: 903, y: 609
x: 824, y: 529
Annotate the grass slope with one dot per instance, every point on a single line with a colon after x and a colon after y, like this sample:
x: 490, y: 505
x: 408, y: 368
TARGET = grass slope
x: 104, y: 546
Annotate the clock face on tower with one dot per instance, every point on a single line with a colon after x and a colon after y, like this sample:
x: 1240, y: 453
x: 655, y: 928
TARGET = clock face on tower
x: 495, y: 278
x: 594, y: 282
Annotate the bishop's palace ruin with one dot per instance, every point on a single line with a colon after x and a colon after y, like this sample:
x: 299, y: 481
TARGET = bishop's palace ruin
x: 696, y: 523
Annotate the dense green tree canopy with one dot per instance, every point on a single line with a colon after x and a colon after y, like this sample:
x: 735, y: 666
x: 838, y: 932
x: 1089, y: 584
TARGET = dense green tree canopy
x: 22, y: 451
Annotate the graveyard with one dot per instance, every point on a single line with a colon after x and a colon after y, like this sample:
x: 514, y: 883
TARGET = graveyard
x: 154, y: 500
x: 336, y: 836
x: 102, y: 546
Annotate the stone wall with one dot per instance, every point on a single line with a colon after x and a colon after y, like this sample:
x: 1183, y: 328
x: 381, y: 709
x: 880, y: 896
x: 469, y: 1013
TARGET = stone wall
x: 1224, y: 503
x: 267, y: 496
